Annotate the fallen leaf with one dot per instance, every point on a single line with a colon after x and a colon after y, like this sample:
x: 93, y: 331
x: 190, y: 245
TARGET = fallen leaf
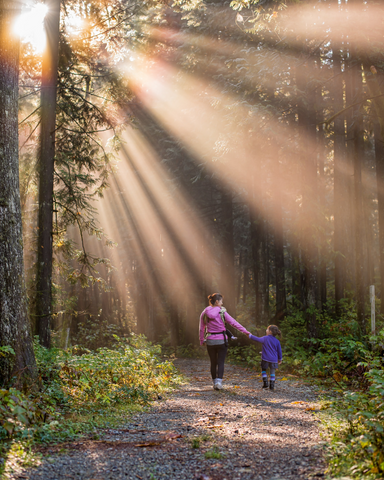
x: 172, y: 436
x: 148, y: 444
x: 154, y: 443
x: 300, y: 402
x: 285, y: 378
x: 337, y: 376
x: 310, y: 409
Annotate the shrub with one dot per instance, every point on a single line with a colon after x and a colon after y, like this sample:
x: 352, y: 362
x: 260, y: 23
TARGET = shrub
x: 357, y: 444
x: 18, y: 414
x: 81, y: 382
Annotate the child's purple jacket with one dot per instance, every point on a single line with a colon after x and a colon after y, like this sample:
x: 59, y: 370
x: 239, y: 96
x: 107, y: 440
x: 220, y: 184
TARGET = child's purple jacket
x: 216, y: 324
x: 271, y: 348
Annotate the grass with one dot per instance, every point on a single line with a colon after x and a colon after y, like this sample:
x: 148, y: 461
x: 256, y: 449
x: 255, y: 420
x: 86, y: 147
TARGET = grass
x: 213, y: 453
x: 196, y: 441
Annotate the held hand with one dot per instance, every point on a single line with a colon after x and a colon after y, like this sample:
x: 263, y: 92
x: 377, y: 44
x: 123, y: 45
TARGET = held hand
x: 279, y: 362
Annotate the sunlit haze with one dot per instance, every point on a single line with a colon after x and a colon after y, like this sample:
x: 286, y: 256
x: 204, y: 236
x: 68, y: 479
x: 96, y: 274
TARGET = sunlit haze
x: 30, y: 26
x: 246, y: 108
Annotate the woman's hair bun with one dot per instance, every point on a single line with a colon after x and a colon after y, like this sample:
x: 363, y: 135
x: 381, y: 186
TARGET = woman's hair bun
x: 214, y: 297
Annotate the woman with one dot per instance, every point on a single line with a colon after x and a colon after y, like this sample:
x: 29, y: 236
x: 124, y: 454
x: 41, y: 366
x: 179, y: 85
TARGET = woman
x: 213, y: 334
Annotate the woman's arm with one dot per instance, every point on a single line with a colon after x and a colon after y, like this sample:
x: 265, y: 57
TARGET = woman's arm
x: 202, y: 327
x: 235, y: 324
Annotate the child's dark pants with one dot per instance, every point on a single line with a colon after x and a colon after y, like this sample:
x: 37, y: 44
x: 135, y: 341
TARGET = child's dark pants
x: 217, y: 354
x: 272, y: 368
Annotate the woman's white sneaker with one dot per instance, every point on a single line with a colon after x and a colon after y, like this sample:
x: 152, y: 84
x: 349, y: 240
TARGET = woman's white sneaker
x: 219, y: 384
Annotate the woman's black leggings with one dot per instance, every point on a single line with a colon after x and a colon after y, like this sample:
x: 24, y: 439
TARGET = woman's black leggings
x: 217, y: 354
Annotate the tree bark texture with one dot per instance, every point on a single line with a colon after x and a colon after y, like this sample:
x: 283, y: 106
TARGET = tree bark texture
x: 14, y: 322
x: 46, y: 171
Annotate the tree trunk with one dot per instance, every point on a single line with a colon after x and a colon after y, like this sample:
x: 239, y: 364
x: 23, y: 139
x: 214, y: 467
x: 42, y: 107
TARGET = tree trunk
x: 309, y: 213
x: 349, y: 213
x: 374, y: 82
x: 281, y: 303
x: 322, y: 153
x: 46, y: 169
x: 266, y: 264
x: 340, y: 186
x: 358, y: 141
x: 239, y: 278
x: 297, y: 290
x: 227, y: 280
x: 258, y: 264
x: 245, y: 284
x: 14, y: 322
x: 379, y: 157
x: 368, y: 237
x: 175, y: 325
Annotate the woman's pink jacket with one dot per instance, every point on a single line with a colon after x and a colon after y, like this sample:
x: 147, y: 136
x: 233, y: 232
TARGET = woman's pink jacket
x: 216, y: 324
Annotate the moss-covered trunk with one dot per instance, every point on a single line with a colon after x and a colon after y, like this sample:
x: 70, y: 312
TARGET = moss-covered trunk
x: 14, y: 323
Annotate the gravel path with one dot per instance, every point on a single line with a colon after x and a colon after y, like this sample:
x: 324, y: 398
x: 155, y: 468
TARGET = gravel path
x: 242, y: 432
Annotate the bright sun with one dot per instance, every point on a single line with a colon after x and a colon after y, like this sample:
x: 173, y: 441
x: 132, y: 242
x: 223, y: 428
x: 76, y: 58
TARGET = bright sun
x: 30, y: 26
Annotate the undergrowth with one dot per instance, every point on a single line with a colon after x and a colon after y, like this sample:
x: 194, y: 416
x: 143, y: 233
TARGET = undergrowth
x: 81, y: 391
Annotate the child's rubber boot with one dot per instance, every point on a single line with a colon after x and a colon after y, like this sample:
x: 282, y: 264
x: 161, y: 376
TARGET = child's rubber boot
x: 272, y: 385
x: 265, y: 382
x: 219, y: 384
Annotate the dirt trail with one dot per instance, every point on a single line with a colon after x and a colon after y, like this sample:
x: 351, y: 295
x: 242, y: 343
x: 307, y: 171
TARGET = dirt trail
x: 242, y: 432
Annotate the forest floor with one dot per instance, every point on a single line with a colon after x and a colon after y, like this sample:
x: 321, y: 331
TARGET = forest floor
x: 241, y: 432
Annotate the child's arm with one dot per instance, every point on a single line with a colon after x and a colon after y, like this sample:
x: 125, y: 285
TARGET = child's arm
x: 256, y: 339
x: 279, y: 354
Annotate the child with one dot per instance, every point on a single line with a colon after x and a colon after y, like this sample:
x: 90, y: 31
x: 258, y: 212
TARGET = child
x: 271, y: 355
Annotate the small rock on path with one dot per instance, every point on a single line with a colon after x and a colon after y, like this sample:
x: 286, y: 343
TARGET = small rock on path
x: 241, y: 432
